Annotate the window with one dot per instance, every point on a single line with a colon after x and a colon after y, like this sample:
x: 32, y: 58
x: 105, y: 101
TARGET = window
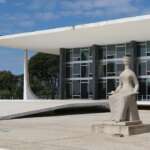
x: 142, y: 49
x: 148, y: 67
x: 68, y: 71
x: 102, y: 53
x: 120, y: 51
x: 84, y: 90
x: 102, y: 88
x: 90, y: 69
x: 84, y: 54
x: 69, y: 90
x: 148, y: 48
x: 102, y: 70
x: 76, y: 70
x: 110, y: 85
x: 148, y: 88
x: 129, y: 50
x: 142, y: 90
x: 142, y: 68
x: 120, y: 68
x: 111, y: 69
x: 90, y: 54
x: 76, y: 88
x: 90, y: 87
x: 68, y: 55
x: 84, y: 71
x: 76, y: 54
x: 110, y: 52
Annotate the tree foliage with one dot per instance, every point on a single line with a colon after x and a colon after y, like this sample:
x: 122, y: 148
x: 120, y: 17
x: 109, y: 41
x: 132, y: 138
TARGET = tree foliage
x: 10, y: 86
x: 44, y: 71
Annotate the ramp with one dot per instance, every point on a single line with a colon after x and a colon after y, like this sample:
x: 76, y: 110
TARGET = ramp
x: 10, y: 109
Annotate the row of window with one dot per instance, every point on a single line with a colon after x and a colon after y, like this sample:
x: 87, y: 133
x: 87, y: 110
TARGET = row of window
x: 108, y: 52
x: 143, y: 49
x: 78, y: 70
x: 144, y: 92
x: 79, y: 89
x: 114, y: 68
x: 110, y: 68
x: 83, y: 88
x: 115, y: 51
x: 143, y: 68
x: 78, y: 54
x: 105, y: 52
x: 119, y: 51
x: 107, y: 85
x: 79, y: 65
x: 85, y: 70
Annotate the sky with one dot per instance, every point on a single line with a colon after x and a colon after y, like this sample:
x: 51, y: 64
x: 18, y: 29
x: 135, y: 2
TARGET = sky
x: 30, y: 15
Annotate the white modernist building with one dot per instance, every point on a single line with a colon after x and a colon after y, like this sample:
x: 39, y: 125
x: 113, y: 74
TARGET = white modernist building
x: 90, y: 55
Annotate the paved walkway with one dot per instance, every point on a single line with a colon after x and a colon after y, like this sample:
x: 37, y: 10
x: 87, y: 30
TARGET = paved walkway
x: 19, y: 108
x: 71, y: 132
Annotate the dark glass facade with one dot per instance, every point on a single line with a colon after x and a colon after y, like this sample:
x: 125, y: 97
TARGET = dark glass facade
x: 79, y: 64
x: 78, y: 73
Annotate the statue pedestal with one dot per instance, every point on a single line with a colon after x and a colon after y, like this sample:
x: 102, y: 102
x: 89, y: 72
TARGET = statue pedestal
x: 121, y: 129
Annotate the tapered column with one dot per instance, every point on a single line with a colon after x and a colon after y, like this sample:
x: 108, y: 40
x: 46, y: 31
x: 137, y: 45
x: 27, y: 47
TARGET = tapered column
x: 27, y: 92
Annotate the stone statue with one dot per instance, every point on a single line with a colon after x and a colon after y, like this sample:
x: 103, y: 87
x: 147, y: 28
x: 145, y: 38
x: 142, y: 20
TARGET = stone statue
x: 123, y: 100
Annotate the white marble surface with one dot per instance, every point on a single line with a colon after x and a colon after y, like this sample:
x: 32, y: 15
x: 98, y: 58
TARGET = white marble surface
x: 10, y: 107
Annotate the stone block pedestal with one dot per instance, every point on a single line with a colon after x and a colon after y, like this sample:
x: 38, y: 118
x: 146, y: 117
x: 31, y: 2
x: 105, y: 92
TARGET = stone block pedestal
x: 122, y: 128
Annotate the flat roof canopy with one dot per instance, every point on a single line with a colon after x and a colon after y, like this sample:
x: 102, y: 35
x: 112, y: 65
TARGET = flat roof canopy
x: 100, y: 33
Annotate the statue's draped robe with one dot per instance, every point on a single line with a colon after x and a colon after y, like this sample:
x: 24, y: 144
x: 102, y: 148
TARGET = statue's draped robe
x: 123, y: 102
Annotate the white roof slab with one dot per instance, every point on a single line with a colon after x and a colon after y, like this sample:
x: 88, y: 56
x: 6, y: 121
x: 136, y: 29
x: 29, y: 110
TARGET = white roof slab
x: 106, y: 32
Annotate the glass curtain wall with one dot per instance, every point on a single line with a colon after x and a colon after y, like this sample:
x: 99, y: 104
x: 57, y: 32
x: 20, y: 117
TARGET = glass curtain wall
x: 79, y: 70
x: 143, y: 70
x: 110, y: 67
x: 79, y: 73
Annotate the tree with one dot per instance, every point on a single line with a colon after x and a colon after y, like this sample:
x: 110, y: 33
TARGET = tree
x: 9, y: 87
x: 44, y: 71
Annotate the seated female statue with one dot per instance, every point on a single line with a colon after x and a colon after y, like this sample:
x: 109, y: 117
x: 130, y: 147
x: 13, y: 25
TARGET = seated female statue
x: 123, y: 100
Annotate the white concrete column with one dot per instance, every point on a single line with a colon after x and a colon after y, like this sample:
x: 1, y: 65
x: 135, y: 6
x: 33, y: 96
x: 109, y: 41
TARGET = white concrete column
x: 27, y: 92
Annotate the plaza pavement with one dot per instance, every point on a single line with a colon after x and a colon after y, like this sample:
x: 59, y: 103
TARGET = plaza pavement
x: 69, y: 132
